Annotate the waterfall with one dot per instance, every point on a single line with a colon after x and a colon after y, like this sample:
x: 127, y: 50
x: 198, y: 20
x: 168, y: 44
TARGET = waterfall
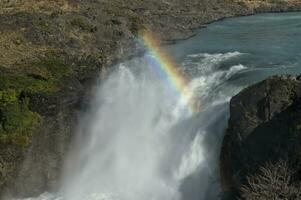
x: 134, y: 143
x: 127, y: 145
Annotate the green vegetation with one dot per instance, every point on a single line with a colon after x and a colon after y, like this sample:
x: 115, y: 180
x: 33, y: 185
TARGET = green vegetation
x: 43, y: 25
x: 83, y: 23
x: 277, y: 1
x: 136, y: 24
x: 42, y: 76
x: 17, y: 121
x: 27, y: 83
x: 56, y: 67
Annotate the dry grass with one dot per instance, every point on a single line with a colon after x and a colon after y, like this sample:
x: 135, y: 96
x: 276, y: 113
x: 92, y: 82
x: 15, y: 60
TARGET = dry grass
x: 15, y: 49
x: 47, y: 6
x: 259, y: 3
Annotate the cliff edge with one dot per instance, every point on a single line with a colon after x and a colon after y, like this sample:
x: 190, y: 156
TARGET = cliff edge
x: 53, y: 50
x: 264, y: 127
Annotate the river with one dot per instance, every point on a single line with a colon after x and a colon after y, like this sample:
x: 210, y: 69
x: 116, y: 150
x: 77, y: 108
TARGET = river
x: 137, y: 142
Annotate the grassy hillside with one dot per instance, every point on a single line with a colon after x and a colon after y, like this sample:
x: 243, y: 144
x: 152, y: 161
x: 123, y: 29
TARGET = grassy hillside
x: 51, y: 50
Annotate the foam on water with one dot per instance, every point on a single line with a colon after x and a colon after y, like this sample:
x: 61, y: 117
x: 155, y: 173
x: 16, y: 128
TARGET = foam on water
x: 176, y: 157
x: 132, y: 145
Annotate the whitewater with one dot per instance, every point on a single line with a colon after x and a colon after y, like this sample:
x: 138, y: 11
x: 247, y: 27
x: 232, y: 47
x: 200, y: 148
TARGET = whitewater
x: 136, y: 142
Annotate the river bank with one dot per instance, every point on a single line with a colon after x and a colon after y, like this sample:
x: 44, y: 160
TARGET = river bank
x: 51, y: 54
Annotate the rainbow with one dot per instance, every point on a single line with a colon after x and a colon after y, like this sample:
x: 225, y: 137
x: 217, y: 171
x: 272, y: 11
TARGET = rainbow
x: 168, y: 71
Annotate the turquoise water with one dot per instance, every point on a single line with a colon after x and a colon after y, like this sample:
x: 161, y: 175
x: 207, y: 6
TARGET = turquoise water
x: 224, y: 58
x: 139, y: 146
x: 271, y: 44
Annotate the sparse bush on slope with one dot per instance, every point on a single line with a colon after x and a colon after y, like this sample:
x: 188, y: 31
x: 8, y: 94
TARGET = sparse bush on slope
x: 273, y: 182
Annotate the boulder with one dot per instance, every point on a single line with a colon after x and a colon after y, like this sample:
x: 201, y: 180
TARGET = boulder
x: 264, y: 126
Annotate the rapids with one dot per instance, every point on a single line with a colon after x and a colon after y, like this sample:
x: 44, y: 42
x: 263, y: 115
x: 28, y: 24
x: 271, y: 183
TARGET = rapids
x: 136, y: 142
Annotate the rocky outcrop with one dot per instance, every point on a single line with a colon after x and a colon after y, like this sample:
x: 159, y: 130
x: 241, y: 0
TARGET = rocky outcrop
x: 31, y: 158
x: 264, y: 126
x: 51, y: 51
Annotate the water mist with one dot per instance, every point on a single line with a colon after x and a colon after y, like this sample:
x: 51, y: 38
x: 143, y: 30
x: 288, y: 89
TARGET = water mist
x: 137, y: 140
x: 127, y: 146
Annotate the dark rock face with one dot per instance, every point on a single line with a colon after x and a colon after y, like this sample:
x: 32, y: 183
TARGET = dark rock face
x: 51, y: 51
x: 265, y: 125
x: 38, y: 163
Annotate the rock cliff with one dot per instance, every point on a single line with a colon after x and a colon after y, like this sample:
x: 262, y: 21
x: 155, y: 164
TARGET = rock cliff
x: 264, y: 127
x: 53, y: 50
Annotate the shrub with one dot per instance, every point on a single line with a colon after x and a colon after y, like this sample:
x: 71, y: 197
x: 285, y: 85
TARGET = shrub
x: 17, y: 122
x: 273, y: 182
x: 83, y: 23
x: 136, y: 24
